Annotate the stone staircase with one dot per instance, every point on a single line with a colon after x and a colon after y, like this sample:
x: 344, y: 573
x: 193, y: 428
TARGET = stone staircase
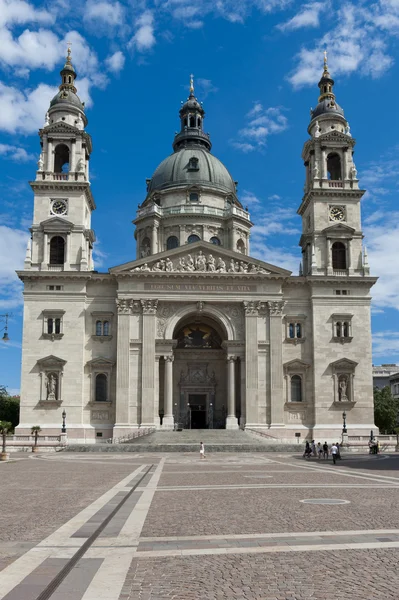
x: 188, y: 440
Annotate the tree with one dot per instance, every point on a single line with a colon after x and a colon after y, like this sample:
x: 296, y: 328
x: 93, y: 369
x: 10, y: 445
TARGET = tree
x: 35, y: 430
x: 5, y: 426
x: 9, y: 407
x: 386, y: 409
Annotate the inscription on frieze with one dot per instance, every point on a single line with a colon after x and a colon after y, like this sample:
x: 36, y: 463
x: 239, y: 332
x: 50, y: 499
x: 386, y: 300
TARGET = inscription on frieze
x: 199, y: 287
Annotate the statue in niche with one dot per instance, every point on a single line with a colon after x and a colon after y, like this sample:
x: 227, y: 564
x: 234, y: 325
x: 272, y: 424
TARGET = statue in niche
x: 46, y: 120
x: 221, y: 266
x: 200, y: 262
x: 40, y: 163
x: 51, y: 385
x: 316, y: 171
x: 317, y: 130
x: 79, y: 124
x: 348, y: 130
x: 211, y: 264
x: 80, y: 166
x: 342, y: 388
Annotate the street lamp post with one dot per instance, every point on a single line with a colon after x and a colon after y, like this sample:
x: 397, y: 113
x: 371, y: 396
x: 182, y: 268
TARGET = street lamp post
x: 4, y: 319
x: 63, y: 428
x: 344, y: 430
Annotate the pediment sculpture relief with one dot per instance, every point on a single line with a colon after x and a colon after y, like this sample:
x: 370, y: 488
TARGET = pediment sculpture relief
x: 202, y: 263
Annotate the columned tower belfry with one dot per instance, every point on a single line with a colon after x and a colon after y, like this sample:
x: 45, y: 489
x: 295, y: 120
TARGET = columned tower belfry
x: 331, y: 229
x: 62, y: 238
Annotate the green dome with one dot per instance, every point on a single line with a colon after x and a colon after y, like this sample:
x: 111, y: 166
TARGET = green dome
x: 179, y: 169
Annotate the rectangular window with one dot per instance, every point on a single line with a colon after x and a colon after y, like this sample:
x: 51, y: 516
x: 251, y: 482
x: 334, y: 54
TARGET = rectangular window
x: 53, y: 324
x: 57, y: 288
x: 342, y: 328
x: 295, y: 329
x: 102, y: 325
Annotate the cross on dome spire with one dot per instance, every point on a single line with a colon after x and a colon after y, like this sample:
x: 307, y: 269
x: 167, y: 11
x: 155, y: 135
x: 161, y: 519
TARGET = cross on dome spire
x: 191, y: 85
x: 68, y: 73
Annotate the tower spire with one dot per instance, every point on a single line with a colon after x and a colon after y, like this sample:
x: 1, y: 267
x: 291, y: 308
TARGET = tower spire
x: 191, y: 85
x: 68, y: 73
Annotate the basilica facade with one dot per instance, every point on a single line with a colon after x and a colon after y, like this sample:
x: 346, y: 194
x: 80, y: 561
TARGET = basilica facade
x: 195, y: 332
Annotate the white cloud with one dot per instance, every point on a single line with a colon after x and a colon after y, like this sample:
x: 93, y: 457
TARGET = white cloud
x: 108, y: 13
x: 32, y: 49
x: 262, y: 122
x: 144, y: 38
x: 386, y: 343
x: 308, y: 16
x: 382, y: 239
x: 12, y: 243
x: 249, y: 199
x: 15, y: 153
x: 24, y: 111
x: 205, y: 87
x: 17, y: 12
x: 116, y: 62
x: 355, y: 42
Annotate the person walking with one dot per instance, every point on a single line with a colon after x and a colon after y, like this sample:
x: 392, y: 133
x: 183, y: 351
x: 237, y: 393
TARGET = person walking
x: 334, y: 452
x: 339, y: 450
x: 313, y: 447
x: 319, y: 450
x: 202, y: 450
x: 307, y: 451
x: 325, y: 450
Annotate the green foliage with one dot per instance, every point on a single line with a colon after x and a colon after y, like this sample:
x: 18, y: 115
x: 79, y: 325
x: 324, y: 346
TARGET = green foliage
x: 35, y: 430
x: 9, y: 407
x: 386, y: 410
x: 5, y: 427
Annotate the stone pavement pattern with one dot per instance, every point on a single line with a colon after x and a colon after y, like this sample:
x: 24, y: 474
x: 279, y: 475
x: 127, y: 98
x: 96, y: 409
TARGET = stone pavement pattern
x: 233, y: 526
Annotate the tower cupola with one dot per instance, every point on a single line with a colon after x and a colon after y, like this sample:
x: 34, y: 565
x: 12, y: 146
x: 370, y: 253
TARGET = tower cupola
x: 191, y: 123
x: 326, y: 103
x: 66, y: 104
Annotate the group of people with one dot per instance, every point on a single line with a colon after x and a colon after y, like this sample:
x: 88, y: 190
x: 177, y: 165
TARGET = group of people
x: 322, y: 450
x: 374, y: 446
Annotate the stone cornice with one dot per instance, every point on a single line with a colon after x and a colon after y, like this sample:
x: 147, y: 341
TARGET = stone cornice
x: 329, y: 195
x: 65, y: 186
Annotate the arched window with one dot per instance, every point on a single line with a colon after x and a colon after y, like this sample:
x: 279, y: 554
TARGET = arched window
x: 215, y: 240
x: 106, y: 328
x: 241, y: 246
x: 338, y: 256
x: 172, y: 242
x: 185, y: 122
x: 99, y: 328
x: 57, y: 250
x: 296, y: 388
x: 298, y: 330
x: 193, y: 238
x: 338, y: 329
x: 194, y: 197
x: 291, y: 330
x: 61, y: 159
x: 345, y: 329
x: 199, y: 121
x: 101, y: 387
x: 192, y: 121
x: 334, y: 166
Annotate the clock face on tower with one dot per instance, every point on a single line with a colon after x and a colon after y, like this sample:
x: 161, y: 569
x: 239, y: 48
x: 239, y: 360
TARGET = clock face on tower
x: 59, y: 207
x: 337, y: 213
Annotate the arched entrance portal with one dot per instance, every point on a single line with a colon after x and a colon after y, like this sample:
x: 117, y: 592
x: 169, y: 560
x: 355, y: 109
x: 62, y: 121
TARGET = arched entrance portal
x: 204, y: 380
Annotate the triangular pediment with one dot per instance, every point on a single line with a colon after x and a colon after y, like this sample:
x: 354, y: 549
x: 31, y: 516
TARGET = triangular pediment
x: 339, y: 228
x: 296, y: 365
x: 100, y: 362
x: 51, y: 361
x: 200, y: 258
x: 344, y: 364
x: 56, y: 224
x: 338, y: 137
x: 62, y: 127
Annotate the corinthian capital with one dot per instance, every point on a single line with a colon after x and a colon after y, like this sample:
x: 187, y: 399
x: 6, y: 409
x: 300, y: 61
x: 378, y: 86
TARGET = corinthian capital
x: 149, y: 306
x: 276, y: 307
x: 252, y: 307
x: 124, y: 306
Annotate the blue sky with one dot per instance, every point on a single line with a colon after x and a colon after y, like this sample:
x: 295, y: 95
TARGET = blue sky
x: 251, y: 59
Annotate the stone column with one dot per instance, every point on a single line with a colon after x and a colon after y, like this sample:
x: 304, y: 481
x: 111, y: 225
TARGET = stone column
x: 345, y: 164
x: 329, y: 257
x: 251, y: 362
x: 49, y: 166
x: 168, y: 419
x: 122, y: 424
x: 231, y: 420
x: 148, y: 362
x: 323, y: 164
x: 154, y: 240
x: 156, y: 392
x: 72, y: 162
x: 276, y: 363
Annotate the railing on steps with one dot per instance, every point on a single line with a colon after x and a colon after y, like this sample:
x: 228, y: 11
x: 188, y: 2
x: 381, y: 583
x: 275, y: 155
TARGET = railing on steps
x: 131, y: 436
x: 29, y: 440
x: 263, y: 434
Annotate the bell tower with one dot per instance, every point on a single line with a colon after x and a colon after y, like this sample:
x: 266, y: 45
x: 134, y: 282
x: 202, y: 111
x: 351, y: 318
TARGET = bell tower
x: 331, y: 238
x: 62, y: 238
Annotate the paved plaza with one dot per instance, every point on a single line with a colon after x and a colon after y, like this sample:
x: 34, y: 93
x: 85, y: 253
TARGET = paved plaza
x: 264, y: 526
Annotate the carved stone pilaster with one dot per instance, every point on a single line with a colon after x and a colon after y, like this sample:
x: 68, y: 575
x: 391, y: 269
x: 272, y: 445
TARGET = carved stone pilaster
x: 276, y: 307
x: 149, y: 306
x: 124, y: 306
x: 252, y: 307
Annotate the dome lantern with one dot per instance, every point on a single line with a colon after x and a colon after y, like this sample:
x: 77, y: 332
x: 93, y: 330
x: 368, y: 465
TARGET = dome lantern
x: 191, y: 123
x: 326, y: 102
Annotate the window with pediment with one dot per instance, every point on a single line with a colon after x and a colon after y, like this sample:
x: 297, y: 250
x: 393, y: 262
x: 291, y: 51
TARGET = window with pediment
x: 102, y: 325
x: 295, y: 329
x: 342, y: 328
x: 53, y: 324
x: 100, y: 380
